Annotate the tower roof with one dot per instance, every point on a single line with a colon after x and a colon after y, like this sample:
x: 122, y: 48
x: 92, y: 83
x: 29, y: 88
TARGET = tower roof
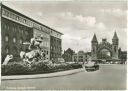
x: 94, y: 39
x: 115, y: 36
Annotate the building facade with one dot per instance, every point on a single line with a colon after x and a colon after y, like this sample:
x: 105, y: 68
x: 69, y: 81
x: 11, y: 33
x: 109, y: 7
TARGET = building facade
x: 55, y: 45
x: 81, y: 56
x: 17, y: 28
x: 122, y: 56
x: 98, y: 49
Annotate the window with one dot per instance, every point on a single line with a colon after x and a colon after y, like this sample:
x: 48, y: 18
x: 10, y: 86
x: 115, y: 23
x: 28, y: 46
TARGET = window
x: 22, y: 31
x: 15, y: 50
x: 21, y: 41
x: 3, y: 12
x: 7, y: 50
x: 14, y: 40
x: 115, y: 48
x: 7, y: 27
x: 47, y: 52
x: 26, y: 32
x: 14, y: 28
x: 6, y: 38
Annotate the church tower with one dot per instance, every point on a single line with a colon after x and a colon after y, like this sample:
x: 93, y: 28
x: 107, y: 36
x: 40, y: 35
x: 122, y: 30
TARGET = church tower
x: 94, y: 45
x: 115, y: 42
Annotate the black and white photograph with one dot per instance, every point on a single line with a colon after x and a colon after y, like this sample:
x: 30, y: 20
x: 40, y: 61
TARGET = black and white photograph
x: 63, y: 45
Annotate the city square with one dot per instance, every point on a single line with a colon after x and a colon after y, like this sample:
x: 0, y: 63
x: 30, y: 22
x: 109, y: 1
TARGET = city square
x: 59, y: 47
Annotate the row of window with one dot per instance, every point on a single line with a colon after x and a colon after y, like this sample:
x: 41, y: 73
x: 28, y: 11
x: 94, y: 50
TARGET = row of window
x: 55, y: 55
x: 41, y: 34
x: 23, y: 20
x: 45, y: 44
x: 55, y: 48
x: 13, y: 39
x: 13, y: 50
x: 14, y: 29
x: 55, y: 40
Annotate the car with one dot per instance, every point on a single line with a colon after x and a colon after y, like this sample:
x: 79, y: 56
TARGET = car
x: 111, y: 62
x: 116, y: 62
x: 91, y: 66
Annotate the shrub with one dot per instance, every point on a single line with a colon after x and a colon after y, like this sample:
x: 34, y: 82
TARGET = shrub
x: 76, y: 66
x: 14, y: 69
x: 39, y: 67
x: 63, y: 67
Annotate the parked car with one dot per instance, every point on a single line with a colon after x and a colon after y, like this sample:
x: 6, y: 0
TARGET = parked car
x: 91, y: 66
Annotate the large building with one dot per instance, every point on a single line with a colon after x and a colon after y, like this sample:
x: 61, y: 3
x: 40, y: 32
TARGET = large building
x: 104, y: 49
x: 17, y: 28
x: 81, y: 56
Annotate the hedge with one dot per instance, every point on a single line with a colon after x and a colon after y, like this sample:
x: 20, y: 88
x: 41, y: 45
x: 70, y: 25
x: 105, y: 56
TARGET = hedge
x: 36, y: 68
x: 14, y: 69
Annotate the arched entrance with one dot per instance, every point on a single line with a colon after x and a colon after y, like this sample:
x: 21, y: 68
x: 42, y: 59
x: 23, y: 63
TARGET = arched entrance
x: 104, y: 54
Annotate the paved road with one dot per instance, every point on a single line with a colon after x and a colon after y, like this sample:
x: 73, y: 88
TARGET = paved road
x: 109, y: 77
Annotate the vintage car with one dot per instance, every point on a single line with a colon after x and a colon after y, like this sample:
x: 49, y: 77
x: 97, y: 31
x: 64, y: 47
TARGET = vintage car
x: 91, y: 66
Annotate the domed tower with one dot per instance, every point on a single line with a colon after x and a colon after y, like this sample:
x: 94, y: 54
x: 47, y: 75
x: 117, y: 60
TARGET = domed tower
x: 115, y: 42
x: 94, y: 46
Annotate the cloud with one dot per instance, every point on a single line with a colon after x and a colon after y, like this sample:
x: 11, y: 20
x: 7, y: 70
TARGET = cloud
x: 115, y: 12
x: 78, y: 29
x: 78, y: 21
x: 76, y: 43
x: 69, y: 37
x: 39, y: 13
x: 89, y: 20
x: 101, y: 26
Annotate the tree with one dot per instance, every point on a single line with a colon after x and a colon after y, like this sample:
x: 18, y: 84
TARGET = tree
x: 67, y: 55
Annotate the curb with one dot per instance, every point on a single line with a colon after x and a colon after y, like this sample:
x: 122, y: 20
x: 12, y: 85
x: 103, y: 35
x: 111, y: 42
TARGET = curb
x: 56, y: 74
x: 110, y: 64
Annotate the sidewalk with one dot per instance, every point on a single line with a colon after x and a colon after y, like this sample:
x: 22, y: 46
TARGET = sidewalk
x: 56, y: 74
x: 111, y: 64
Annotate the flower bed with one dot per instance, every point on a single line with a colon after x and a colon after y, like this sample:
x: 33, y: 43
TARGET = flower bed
x: 36, y: 68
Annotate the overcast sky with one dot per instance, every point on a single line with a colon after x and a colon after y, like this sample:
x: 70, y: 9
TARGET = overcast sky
x: 78, y: 21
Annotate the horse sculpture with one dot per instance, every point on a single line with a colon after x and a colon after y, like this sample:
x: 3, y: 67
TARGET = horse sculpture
x: 35, y: 53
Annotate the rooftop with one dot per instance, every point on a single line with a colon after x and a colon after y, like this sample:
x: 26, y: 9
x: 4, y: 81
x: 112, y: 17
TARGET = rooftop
x: 4, y: 6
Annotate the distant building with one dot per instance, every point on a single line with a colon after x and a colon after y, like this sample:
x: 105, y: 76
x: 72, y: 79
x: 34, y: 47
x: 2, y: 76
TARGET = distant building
x: 122, y: 55
x: 67, y: 56
x: 98, y: 50
x: 17, y: 28
x: 81, y: 56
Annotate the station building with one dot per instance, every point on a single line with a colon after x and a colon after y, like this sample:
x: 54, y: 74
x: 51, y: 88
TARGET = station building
x: 17, y: 29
